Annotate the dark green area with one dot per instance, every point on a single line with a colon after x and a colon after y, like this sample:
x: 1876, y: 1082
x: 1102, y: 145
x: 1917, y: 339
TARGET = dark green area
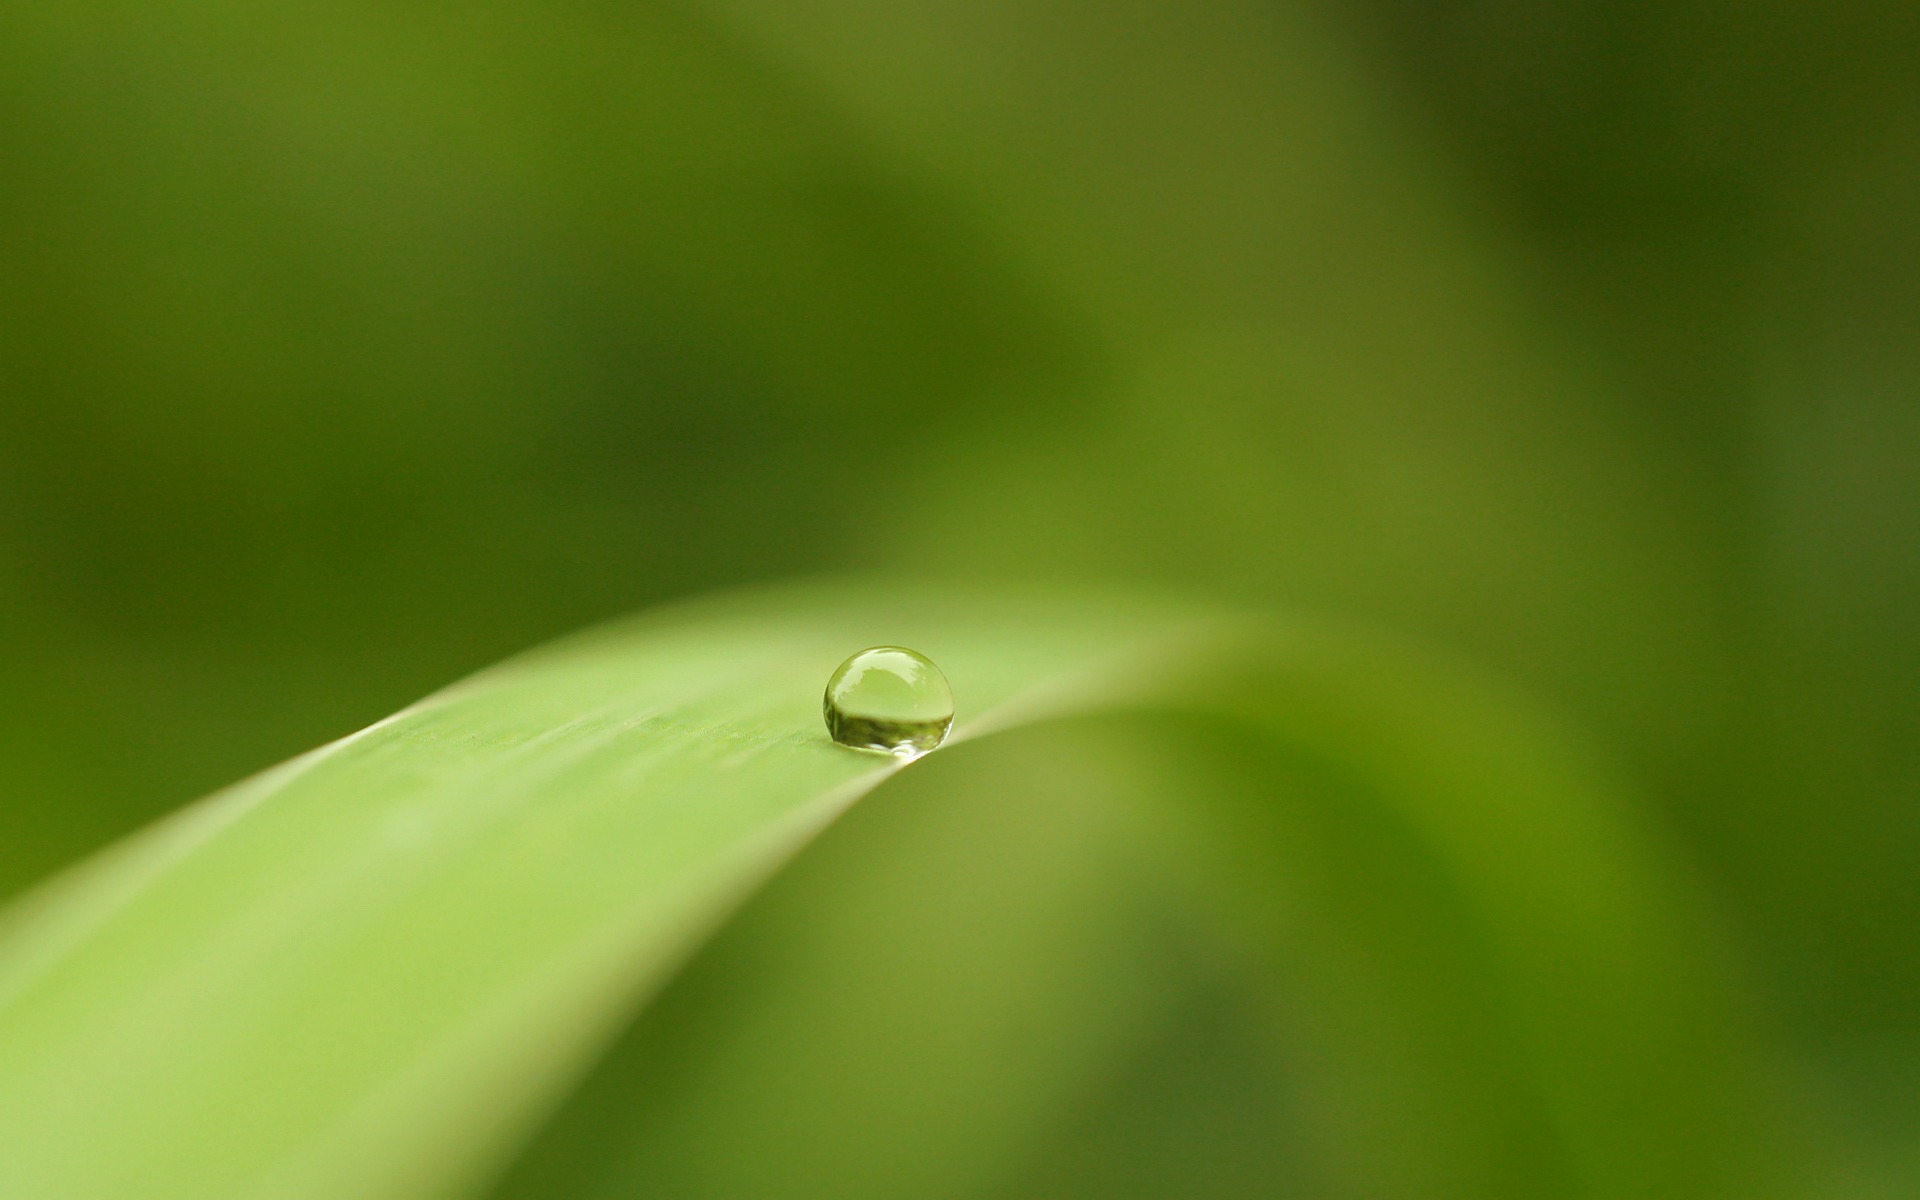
x: 346, y: 347
x: 883, y: 733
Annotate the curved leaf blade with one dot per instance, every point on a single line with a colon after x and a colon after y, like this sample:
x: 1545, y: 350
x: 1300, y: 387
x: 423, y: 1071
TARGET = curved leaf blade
x: 368, y: 973
x: 353, y: 974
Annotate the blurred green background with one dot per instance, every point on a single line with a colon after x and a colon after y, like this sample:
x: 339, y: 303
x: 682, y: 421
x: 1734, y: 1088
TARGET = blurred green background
x: 346, y: 347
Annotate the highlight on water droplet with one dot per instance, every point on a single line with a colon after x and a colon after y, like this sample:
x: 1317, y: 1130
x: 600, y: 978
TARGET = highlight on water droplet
x: 889, y: 698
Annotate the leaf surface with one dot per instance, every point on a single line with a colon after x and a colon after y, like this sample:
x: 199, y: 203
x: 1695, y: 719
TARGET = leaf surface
x: 371, y: 971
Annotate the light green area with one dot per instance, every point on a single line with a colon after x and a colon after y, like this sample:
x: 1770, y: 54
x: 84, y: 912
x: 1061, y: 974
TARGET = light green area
x: 371, y: 971
x: 891, y: 682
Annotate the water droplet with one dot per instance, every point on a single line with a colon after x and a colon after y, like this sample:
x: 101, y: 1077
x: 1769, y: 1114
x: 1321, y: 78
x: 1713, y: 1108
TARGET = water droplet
x: 889, y: 698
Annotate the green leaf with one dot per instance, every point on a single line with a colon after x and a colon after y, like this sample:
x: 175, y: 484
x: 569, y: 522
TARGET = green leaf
x: 376, y: 970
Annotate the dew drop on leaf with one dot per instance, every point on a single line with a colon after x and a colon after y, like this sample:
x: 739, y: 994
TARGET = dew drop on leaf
x: 891, y: 699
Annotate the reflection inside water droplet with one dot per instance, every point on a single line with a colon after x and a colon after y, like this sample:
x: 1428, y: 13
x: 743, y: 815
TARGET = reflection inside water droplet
x: 889, y: 698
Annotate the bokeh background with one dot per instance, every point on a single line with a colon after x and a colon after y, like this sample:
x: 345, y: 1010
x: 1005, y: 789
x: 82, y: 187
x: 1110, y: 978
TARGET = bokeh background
x: 346, y: 347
